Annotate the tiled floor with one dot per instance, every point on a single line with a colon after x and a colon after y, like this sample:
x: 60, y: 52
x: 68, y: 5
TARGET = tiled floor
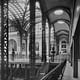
x: 68, y: 74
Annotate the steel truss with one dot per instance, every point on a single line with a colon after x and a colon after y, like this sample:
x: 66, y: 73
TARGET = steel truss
x: 4, y: 39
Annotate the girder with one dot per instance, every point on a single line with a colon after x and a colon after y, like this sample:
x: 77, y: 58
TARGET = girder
x: 16, y: 12
x: 23, y: 17
x: 4, y: 40
x: 15, y: 7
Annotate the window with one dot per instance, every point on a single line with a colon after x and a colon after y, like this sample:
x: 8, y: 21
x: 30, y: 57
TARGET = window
x: 63, y: 46
x: 12, y: 44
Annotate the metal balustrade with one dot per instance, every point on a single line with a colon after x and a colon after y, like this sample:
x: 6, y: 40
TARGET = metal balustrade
x: 53, y: 71
x: 56, y: 73
x: 19, y: 70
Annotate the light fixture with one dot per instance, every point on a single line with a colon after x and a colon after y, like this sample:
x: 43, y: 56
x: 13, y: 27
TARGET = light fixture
x: 78, y: 8
x: 60, y: 22
x: 58, y: 12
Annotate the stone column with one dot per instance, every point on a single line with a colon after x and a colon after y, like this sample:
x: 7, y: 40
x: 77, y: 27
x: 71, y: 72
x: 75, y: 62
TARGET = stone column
x: 20, y: 45
x: 76, y: 51
x: 32, y: 30
x: 26, y: 47
x: 72, y: 48
x: 79, y: 46
x: 57, y: 53
x: 43, y: 38
x: 32, y: 39
x: 4, y: 41
x: 49, y: 38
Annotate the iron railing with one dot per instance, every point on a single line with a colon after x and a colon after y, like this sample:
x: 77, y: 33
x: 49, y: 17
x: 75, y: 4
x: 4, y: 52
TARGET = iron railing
x: 56, y: 73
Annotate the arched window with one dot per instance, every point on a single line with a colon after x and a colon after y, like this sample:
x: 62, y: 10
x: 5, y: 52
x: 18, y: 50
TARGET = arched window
x: 63, y: 46
x: 12, y: 44
x: 63, y: 43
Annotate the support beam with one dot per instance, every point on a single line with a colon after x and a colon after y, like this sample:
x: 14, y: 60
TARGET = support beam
x: 26, y: 73
x: 79, y: 49
x: 72, y: 53
x: 76, y: 51
x: 20, y: 44
x: 32, y: 39
x: 49, y: 38
x: 72, y: 48
x: 43, y: 38
x: 55, y: 38
x: 32, y: 31
x: 57, y: 44
x: 26, y: 45
x: 4, y: 40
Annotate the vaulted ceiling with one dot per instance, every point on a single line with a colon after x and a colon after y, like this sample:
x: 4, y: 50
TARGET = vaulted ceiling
x: 61, y: 13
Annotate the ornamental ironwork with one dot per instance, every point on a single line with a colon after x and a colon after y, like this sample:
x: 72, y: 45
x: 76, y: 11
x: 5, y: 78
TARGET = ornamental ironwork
x: 4, y: 39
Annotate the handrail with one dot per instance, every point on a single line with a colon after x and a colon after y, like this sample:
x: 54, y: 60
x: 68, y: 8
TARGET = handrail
x: 42, y: 70
x: 50, y: 72
x: 53, y: 70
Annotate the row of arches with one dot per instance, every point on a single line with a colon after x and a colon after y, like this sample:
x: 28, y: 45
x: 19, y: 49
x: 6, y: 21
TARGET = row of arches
x: 61, y: 22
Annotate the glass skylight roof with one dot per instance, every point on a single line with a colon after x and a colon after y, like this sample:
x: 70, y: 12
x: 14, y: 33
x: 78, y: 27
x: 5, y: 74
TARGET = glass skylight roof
x: 20, y: 8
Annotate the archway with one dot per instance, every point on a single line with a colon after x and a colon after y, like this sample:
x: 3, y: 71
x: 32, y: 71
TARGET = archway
x: 12, y: 44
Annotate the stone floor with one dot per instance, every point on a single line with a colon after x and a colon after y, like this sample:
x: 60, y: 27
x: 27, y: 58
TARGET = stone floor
x: 68, y: 74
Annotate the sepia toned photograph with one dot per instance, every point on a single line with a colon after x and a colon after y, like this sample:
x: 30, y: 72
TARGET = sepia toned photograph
x: 39, y: 39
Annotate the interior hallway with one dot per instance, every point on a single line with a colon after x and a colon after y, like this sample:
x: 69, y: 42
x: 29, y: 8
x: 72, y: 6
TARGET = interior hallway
x: 68, y: 74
